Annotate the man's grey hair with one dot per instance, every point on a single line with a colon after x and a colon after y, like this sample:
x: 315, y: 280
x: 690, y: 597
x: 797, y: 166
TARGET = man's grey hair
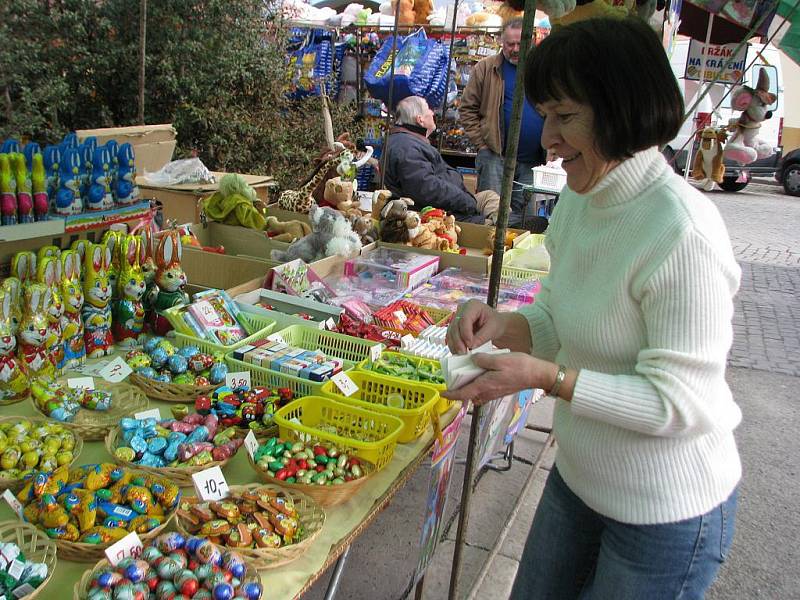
x: 512, y: 24
x: 408, y: 109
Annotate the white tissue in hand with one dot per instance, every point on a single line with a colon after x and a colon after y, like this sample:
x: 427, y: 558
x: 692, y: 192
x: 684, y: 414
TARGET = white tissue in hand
x: 459, y: 370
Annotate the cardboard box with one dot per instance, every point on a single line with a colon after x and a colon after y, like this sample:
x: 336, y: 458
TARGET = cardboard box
x: 180, y: 203
x: 220, y: 271
x: 153, y: 145
x: 237, y: 241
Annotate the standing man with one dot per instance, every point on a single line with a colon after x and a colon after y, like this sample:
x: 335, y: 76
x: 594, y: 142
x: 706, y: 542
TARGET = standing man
x: 486, y: 113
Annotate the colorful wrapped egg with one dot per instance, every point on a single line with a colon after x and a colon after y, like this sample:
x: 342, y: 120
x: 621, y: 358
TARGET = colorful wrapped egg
x: 234, y: 562
x: 177, y: 364
x: 188, y: 351
x: 158, y: 358
x: 148, y: 372
x: 218, y: 372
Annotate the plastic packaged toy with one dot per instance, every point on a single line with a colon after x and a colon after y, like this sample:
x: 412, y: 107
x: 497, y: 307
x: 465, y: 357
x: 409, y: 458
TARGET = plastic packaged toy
x: 97, y: 296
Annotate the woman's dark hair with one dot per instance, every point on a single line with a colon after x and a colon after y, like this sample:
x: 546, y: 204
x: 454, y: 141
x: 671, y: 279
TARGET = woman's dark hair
x: 619, y: 68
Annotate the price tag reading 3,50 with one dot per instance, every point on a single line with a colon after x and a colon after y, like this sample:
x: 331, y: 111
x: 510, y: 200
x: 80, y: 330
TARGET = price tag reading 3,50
x: 238, y: 380
x: 210, y: 484
x: 251, y: 443
x: 128, y: 547
x: 116, y: 371
x: 346, y: 385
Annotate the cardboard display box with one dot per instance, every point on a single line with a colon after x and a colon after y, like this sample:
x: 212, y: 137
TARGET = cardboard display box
x: 180, y: 203
x: 237, y: 241
x: 153, y: 145
x: 220, y: 271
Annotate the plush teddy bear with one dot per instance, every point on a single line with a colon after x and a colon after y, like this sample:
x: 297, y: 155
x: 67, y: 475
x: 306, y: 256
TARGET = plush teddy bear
x: 404, y: 11
x: 422, y: 10
x: 444, y: 226
x: 364, y: 228
x: 286, y: 231
x: 339, y: 195
x: 398, y: 224
x: 426, y: 237
x: 331, y: 234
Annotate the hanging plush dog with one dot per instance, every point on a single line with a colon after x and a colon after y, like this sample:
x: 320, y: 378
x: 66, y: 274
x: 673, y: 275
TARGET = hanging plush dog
x: 708, y: 167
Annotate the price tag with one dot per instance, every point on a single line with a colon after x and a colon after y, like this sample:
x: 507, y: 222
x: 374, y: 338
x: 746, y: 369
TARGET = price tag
x: 16, y: 569
x: 346, y: 385
x: 322, y: 325
x: 251, y: 443
x: 276, y: 337
x: 375, y: 352
x: 240, y: 379
x: 22, y: 591
x: 85, y: 383
x: 153, y: 413
x: 116, y: 371
x: 15, y: 504
x: 330, y: 323
x: 128, y: 547
x: 407, y: 340
x: 210, y: 484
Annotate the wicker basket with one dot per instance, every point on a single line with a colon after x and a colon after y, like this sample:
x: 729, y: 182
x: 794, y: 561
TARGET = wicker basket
x: 324, y: 495
x: 170, y: 392
x: 81, y: 552
x: 93, y: 425
x: 9, y: 403
x: 16, y: 484
x: 312, y: 518
x: 180, y: 476
x: 35, y: 545
x: 81, y: 589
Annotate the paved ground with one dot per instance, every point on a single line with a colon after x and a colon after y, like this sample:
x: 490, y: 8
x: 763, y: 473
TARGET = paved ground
x: 764, y: 375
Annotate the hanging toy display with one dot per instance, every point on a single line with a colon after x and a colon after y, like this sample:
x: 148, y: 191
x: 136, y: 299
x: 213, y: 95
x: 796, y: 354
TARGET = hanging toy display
x: 33, y: 333
x: 97, y: 296
x: 14, y: 385
x: 169, y: 281
x: 128, y: 309
x: 72, y: 294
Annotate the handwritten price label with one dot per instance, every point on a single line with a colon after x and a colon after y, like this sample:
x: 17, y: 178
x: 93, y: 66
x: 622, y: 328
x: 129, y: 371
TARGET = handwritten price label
x: 240, y: 379
x: 322, y: 325
x: 153, y: 413
x: 375, y: 352
x: 276, y: 337
x: 330, y: 323
x: 115, y: 371
x: 128, y: 547
x: 251, y: 443
x: 83, y: 383
x: 210, y: 484
x: 407, y: 340
x: 15, y: 504
x: 346, y: 385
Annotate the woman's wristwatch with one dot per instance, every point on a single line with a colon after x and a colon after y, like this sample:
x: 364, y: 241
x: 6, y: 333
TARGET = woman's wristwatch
x: 562, y: 373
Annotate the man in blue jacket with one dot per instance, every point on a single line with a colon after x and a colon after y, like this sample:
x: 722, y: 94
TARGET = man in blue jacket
x: 416, y: 170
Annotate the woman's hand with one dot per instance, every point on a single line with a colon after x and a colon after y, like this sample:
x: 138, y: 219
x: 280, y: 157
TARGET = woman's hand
x: 505, y: 374
x: 475, y: 323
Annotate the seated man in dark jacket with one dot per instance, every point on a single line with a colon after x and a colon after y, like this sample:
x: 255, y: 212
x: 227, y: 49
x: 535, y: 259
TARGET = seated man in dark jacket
x: 416, y: 170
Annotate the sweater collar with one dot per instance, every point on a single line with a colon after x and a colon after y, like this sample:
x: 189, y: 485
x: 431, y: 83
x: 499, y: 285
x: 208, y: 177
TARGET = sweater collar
x: 628, y: 179
x: 409, y: 128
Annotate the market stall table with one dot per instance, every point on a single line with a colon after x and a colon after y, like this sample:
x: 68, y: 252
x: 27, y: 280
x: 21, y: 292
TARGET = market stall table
x: 343, y: 524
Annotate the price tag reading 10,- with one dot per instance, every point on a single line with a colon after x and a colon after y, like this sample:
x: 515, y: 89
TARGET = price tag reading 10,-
x: 210, y: 484
x: 240, y: 379
x: 128, y: 547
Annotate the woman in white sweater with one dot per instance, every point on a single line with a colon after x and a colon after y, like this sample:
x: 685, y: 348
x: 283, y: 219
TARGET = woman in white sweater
x: 630, y: 333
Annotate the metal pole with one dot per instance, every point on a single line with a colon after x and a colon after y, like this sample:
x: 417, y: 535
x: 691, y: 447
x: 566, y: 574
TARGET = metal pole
x: 447, y: 76
x: 390, y: 108
x: 510, y: 164
x: 333, y: 584
x: 690, y: 150
x: 419, y: 587
x: 142, y: 51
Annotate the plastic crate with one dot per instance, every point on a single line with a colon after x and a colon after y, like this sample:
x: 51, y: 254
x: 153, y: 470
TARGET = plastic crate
x: 333, y: 344
x: 511, y: 274
x: 268, y: 378
x: 529, y: 241
x: 257, y: 326
x: 366, y: 433
x: 549, y: 179
x: 373, y: 392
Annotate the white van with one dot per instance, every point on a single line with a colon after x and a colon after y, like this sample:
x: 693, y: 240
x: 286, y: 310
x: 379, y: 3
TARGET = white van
x: 736, y: 176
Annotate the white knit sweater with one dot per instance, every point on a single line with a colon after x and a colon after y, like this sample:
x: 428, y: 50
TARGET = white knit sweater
x: 639, y: 299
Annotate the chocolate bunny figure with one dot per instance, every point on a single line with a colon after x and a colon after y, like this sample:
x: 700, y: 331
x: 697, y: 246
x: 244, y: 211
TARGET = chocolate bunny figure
x: 72, y: 325
x: 97, y: 296
x: 170, y: 280
x: 50, y: 275
x: 33, y: 333
x: 13, y: 287
x: 14, y: 385
x: 128, y: 310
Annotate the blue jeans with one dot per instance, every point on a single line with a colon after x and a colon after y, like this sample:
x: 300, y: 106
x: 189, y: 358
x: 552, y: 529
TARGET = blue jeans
x: 490, y: 177
x: 574, y: 552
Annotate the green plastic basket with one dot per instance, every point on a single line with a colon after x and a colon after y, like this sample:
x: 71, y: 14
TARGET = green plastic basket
x: 373, y: 392
x: 511, y: 274
x: 267, y: 378
x: 336, y: 345
x: 257, y: 326
x: 530, y: 241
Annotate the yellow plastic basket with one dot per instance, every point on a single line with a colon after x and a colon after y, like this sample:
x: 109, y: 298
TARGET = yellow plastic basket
x: 366, y: 433
x: 257, y: 326
x: 333, y: 344
x: 373, y: 392
x: 442, y: 406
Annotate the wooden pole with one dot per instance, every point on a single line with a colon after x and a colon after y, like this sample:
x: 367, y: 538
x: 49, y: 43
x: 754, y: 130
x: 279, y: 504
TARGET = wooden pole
x: 142, y: 51
x: 509, y: 167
